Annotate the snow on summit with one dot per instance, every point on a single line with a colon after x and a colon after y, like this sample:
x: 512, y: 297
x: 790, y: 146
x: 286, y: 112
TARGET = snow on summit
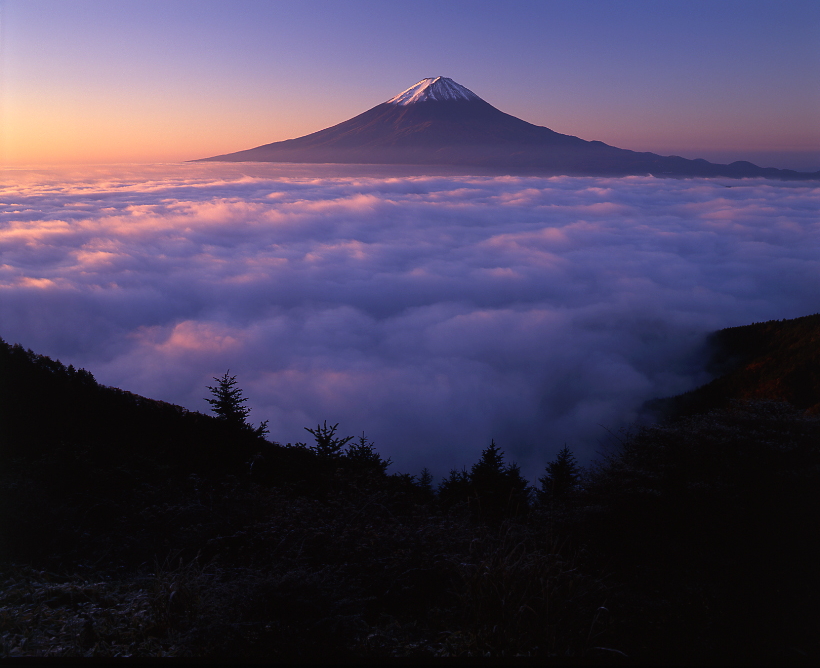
x: 437, y: 89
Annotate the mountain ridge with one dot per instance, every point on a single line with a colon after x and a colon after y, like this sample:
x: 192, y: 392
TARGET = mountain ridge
x: 439, y: 122
x: 775, y: 360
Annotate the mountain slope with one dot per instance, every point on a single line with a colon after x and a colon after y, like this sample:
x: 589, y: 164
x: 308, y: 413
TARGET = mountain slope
x: 51, y: 413
x: 438, y: 121
x: 778, y: 360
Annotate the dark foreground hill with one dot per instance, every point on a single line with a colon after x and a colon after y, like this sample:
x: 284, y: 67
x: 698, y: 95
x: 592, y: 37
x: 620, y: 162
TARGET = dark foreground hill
x: 440, y: 122
x: 131, y: 527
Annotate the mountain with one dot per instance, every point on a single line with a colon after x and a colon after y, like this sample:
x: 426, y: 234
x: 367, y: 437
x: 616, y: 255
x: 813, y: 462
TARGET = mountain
x: 440, y: 122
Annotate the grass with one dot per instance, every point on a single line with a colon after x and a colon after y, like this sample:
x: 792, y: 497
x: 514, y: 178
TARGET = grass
x: 308, y: 579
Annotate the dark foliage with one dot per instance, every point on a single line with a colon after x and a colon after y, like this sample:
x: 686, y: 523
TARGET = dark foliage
x: 227, y: 405
x: 778, y: 360
x: 560, y: 481
x: 719, y: 511
x: 425, y: 482
x: 361, y: 455
x: 454, y: 489
x: 227, y: 400
x: 58, y: 417
x: 491, y: 490
x: 132, y: 527
x: 327, y: 444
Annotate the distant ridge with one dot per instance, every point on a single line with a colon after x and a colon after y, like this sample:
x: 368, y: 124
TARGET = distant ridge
x: 777, y: 360
x: 440, y: 122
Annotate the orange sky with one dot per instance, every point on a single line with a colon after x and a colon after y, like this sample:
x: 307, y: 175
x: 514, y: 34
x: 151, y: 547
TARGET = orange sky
x: 95, y: 82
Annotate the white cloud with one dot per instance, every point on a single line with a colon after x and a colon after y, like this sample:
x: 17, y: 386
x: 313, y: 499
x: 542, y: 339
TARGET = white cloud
x: 433, y: 312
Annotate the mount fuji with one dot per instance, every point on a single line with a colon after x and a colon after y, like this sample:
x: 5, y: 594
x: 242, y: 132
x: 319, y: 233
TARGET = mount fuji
x: 440, y: 122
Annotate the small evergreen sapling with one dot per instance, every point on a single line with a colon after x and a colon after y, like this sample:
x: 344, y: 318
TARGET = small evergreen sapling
x: 425, y: 480
x: 327, y: 444
x: 454, y: 489
x: 492, y: 488
x: 560, y: 479
x: 227, y: 404
x: 498, y: 488
x: 363, y: 455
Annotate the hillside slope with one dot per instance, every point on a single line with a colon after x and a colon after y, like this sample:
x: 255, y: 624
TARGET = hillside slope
x: 778, y: 360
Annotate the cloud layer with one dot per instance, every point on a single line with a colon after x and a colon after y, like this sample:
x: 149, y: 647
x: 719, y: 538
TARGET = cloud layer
x: 433, y: 312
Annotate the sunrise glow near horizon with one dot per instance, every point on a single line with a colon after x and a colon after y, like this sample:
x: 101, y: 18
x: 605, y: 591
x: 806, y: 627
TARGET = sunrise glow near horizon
x: 100, y: 82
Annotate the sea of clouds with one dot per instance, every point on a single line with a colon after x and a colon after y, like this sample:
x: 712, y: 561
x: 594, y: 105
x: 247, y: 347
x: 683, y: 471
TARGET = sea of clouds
x: 433, y: 312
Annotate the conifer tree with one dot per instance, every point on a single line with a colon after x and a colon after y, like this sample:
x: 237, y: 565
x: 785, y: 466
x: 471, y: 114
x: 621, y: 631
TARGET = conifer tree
x: 327, y: 444
x: 497, y: 489
x: 227, y: 399
x: 426, y: 480
x: 363, y: 455
x: 490, y: 468
x: 227, y: 404
x: 517, y: 490
x: 454, y: 489
x: 560, y: 478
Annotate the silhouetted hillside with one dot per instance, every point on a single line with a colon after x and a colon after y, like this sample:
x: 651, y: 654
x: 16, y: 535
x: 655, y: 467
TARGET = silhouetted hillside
x: 778, y: 360
x: 52, y: 411
x: 718, y: 511
x: 132, y: 527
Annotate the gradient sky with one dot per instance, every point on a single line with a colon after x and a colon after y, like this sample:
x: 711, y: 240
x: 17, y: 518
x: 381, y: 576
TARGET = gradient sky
x: 172, y: 80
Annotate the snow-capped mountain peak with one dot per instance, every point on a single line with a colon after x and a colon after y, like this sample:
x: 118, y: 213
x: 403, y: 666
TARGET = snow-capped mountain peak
x: 438, y: 89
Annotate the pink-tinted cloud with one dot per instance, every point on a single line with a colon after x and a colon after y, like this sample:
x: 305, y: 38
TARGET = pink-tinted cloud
x: 434, y: 312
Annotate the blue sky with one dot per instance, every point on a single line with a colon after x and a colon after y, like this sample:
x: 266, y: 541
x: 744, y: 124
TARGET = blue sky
x: 101, y: 81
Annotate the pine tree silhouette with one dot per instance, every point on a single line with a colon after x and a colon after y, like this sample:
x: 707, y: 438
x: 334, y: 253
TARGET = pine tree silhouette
x: 227, y: 404
x: 497, y: 489
x: 425, y: 481
x: 327, y: 445
x: 454, y: 489
x: 362, y: 455
x: 560, y: 479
